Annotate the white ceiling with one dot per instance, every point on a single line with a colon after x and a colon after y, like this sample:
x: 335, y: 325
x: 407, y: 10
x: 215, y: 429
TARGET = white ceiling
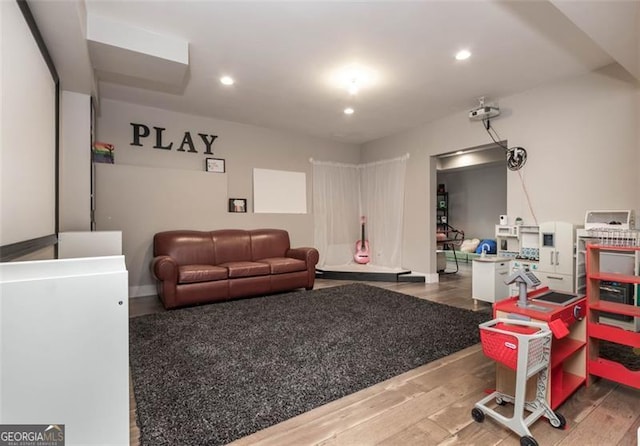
x: 282, y: 54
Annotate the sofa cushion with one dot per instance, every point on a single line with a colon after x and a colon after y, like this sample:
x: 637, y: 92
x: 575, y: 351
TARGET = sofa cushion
x: 185, y: 247
x: 281, y: 265
x: 201, y: 273
x: 246, y: 269
x: 268, y: 243
x: 231, y: 245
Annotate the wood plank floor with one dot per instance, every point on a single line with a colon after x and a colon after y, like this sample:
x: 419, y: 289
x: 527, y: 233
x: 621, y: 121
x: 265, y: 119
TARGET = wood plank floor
x: 431, y: 405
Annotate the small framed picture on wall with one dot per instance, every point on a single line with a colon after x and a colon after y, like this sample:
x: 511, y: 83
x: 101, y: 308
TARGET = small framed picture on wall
x: 215, y: 165
x: 237, y: 205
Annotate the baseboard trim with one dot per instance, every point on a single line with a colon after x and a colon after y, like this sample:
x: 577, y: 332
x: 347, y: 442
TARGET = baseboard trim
x: 142, y: 290
x: 431, y: 277
x: 428, y: 277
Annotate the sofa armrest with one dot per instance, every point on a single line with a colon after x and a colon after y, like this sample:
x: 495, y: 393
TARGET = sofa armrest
x: 309, y: 255
x: 165, y: 268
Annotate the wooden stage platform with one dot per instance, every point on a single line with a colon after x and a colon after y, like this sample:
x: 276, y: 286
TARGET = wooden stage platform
x: 370, y: 273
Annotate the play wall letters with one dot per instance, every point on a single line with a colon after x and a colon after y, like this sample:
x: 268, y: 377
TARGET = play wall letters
x: 141, y: 131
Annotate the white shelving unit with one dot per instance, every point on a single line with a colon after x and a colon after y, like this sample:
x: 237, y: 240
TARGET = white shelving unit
x: 528, y: 236
x: 594, y: 223
x: 520, y: 240
x: 507, y: 240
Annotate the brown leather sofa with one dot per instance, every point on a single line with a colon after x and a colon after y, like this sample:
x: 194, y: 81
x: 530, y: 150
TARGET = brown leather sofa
x: 195, y: 267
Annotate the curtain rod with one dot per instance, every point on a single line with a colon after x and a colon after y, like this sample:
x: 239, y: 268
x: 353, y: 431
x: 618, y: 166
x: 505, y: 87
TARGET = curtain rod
x: 331, y: 163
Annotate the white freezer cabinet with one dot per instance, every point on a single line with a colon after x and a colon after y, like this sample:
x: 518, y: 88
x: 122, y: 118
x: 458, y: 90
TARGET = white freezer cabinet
x: 488, y: 276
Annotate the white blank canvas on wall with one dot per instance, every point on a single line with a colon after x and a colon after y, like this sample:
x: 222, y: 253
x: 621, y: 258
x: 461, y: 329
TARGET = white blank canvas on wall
x: 279, y: 192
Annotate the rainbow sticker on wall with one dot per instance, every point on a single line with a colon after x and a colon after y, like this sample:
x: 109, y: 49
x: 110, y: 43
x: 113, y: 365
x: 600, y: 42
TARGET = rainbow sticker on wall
x: 103, y: 153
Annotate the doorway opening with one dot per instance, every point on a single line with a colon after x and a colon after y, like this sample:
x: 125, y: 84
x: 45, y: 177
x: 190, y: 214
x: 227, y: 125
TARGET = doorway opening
x: 471, y: 194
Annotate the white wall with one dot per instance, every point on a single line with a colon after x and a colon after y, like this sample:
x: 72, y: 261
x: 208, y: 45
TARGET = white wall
x: 582, y: 140
x: 150, y: 190
x: 75, y: 162
x: 612, y: 25
x: 27, y: 134
x: 477, y: 197
x: 581, y: 137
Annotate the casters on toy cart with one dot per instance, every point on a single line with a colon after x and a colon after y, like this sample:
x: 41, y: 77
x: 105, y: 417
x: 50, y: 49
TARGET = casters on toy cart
x: 560, y: 423
x: 477, y: 415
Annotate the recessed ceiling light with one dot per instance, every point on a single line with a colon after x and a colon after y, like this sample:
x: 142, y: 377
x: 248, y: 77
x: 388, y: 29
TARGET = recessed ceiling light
x: 348, y: 111
x: 459, y: 152
x: 227, y: 80
x: 463, y: 55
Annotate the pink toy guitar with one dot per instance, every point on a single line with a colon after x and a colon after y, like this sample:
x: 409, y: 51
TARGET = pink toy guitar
x: 362, y: 247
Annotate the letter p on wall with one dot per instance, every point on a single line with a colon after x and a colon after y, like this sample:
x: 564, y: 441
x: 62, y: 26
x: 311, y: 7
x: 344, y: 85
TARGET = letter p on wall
x: 139, y: 131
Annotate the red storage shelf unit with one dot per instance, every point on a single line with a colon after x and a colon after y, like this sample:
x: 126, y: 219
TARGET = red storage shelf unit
x: 597, y: 330
x: 568, y: 354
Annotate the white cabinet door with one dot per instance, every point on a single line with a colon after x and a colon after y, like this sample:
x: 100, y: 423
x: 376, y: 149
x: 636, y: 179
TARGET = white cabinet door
x: 564, y: 248
x: 557, y: 263
x: 548, y: 241
x: 556, y: 247
x: 557, y: 282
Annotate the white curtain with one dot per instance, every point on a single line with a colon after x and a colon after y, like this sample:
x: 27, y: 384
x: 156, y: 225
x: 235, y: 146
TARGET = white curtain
x: 342, y: 193
x: 382, y: 198
x: 336, y: 209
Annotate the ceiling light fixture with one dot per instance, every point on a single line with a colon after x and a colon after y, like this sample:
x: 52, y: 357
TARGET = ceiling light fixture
x: 227, y: 80
x: 348, y: 111
x: 353, y: 87
x: 463, y: 55
x: 459, y: 152
x: 353, y: 78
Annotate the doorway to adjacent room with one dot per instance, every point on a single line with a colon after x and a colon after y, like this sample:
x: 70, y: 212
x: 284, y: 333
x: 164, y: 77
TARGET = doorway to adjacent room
x: 471, y: 188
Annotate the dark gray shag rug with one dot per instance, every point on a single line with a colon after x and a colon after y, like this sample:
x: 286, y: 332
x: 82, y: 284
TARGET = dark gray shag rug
x: 216, y: 373
x: 625, y: 355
